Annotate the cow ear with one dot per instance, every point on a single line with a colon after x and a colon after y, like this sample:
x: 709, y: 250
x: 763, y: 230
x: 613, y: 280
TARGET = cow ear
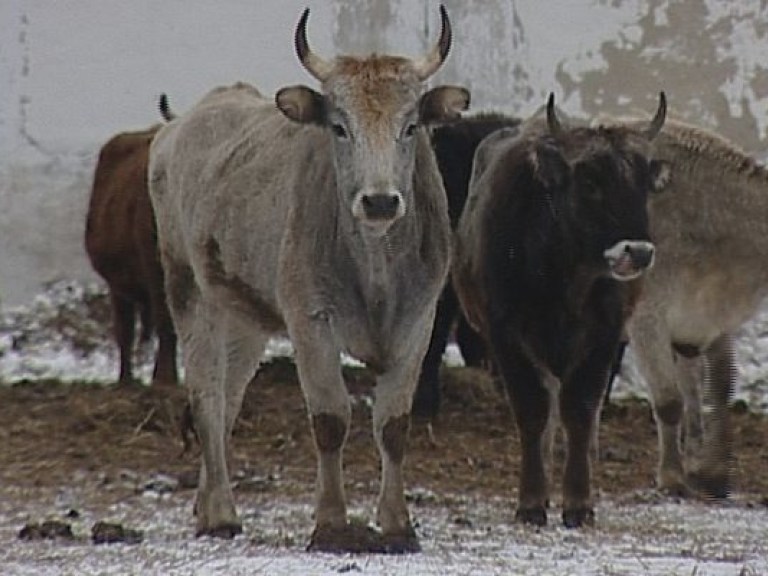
x: 443, y: 103
x: 661, y: 175
x: 301, y: 104
x: 549, y: 166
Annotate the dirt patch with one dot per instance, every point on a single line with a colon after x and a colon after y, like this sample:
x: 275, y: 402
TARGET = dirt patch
x: 52, y: 434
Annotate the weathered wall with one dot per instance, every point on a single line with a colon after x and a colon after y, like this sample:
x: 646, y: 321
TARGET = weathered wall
x: 74, y: 73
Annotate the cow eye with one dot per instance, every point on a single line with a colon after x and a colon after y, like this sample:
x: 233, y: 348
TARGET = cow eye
x: 338, y: 130
x: 410, y: 130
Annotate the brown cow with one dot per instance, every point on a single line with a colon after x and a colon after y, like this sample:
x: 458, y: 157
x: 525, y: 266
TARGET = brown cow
x: 121, y: 242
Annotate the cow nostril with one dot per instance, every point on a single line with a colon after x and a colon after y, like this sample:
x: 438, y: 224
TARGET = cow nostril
x: 380, y: 205
x: 642, y: 256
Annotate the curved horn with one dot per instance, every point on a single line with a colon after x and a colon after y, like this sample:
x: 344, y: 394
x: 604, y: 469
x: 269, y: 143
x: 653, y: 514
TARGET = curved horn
x: 314, y: 64
x: 428, y: 65
x: 658, y: 121
x: 555, y: 128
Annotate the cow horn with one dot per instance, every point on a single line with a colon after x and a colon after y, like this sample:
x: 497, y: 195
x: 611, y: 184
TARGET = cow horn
x: 314, y: 64
x: 658, y: 120
x: 428, y: 65
x: 555, y: 128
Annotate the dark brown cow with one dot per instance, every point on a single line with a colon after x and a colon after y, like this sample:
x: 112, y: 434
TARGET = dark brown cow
x: 454, y: 144
x: 121, y: 242
x: 554, y: 230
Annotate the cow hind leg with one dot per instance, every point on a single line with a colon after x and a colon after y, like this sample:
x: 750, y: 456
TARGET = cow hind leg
x: 124, y: 326
x: 426, y: 401
x: 204, y: 360
x: 711, y: 472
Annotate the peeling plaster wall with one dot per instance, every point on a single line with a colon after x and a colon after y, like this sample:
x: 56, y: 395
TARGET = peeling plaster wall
x: 74, y: 73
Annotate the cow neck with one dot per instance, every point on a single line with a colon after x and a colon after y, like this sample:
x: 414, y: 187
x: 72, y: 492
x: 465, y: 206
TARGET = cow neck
x: 377, y: 258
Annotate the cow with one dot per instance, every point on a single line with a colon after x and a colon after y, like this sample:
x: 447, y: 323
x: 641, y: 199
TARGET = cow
x: 454, y: 144
x: 120, y: 240
x: 711, y: 230
x: 554, y: 233
x: 321, y: 215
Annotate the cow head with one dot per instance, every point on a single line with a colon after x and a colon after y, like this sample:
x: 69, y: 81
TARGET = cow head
x: 374, y: 109
x: 608, y: 172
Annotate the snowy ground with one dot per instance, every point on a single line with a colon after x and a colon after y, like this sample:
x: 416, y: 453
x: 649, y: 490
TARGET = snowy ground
x: 641, y: 534
x: 61, y: 336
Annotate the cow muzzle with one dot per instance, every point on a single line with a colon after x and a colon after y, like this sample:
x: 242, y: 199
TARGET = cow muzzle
x: 628, y: 259
x: 379, y: 210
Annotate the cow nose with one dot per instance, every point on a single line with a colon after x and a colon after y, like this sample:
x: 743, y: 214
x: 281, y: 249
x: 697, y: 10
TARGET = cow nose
x: 628, y: 259
x: 381, y: 206
x: 641, y: 253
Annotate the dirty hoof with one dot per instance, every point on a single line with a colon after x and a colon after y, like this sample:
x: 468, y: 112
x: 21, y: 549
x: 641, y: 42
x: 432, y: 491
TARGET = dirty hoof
x: 108, y: 533
x: 226, y: 531
x: 406, y: 543
x: 578, y: 517
x: 359, y: 538
x: 534, y: 516
x: 48, y: 530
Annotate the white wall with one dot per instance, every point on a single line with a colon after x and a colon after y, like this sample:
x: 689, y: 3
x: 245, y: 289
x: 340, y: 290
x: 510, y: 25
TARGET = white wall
x: 74, y: 72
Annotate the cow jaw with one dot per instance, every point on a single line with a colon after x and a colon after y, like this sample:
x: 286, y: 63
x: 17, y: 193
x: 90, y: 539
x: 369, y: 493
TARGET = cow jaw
x: 628, y: 259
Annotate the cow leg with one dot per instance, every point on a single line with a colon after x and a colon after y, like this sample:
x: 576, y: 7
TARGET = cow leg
x: 656, y: 362
x: 472, y: 346
x: 711, y: 472
x: 690, y: 374
x: 530, y: 402
x: 580, y: 400
x: 124, y: 326
x: 328, y: 404
x: 165, y: 372
x: 204, y: 354
x: 391, y: 423
x: 426, y: 402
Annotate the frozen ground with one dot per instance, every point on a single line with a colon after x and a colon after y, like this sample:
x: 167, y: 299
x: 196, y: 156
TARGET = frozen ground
x: 639, y: 533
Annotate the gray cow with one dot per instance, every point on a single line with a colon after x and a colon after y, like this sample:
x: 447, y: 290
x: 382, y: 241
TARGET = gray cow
x: 710, y: 227
x: 324, y: 216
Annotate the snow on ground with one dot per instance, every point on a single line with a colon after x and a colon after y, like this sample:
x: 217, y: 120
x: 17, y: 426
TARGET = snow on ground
x: 640, y: 534
x: 61, y: 336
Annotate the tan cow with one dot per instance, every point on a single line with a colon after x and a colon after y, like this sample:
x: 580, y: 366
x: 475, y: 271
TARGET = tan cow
x: 120, y: 239
x: 324, y: 216
x: 711, y: 230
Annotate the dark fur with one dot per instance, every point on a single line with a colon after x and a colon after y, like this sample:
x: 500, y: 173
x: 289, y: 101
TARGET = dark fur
x: 535, y: 282
x: 121, y: 242
x: 454, y: 146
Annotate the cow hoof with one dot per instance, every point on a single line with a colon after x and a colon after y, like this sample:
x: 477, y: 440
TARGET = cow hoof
x: 405, y: 543
x: 226, y: 531
x: 578, y: 517
x: 359, y: 538
x: 711, y: 486
x: 535, y: 516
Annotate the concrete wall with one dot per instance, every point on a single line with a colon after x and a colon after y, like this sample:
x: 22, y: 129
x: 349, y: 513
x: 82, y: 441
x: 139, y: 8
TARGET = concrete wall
x: 74, y: 72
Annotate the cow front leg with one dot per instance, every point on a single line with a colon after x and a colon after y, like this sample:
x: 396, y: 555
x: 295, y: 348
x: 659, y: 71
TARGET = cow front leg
x: 656, y: 361
x: 391, y: 424
x: 329, y: 408
x: 530, y: 399
x: 581, y: 396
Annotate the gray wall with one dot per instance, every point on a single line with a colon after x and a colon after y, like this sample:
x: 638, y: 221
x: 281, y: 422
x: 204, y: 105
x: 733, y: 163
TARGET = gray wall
x: 74, y: 72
